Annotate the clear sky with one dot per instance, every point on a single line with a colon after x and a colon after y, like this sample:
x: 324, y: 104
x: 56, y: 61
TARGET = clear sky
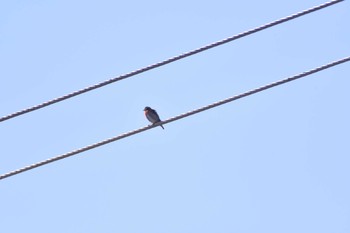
x: 277, y: 161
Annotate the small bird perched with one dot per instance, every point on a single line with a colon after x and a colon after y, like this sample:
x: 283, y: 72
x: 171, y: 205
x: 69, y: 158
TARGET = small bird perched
x: 152, y: 115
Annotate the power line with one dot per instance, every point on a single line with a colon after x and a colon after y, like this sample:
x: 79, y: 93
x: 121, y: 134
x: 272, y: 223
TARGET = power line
x: 213, y: 105
x: 170, y: 60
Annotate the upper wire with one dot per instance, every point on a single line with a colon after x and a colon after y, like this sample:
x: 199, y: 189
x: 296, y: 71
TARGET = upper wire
x: 213, y: 105
x: 170, y: 60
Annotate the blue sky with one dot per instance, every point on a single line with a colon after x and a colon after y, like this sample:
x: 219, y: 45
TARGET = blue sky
x: 277, y: 161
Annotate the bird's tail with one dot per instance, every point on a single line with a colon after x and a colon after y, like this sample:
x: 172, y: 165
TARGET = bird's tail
x: 162, y: 126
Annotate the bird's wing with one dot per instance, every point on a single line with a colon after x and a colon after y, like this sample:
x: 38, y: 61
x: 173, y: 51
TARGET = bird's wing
x: 154, y: 115
x: 149, y: 117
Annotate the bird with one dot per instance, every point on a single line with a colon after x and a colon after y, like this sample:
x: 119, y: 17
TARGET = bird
x: 152, y: 115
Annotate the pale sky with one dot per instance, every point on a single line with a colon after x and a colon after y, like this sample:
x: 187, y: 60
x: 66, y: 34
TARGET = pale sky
x: 277, y: 161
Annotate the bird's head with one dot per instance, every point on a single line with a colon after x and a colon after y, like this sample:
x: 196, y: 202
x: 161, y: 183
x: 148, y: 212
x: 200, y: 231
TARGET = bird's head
x: 146, y: 109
